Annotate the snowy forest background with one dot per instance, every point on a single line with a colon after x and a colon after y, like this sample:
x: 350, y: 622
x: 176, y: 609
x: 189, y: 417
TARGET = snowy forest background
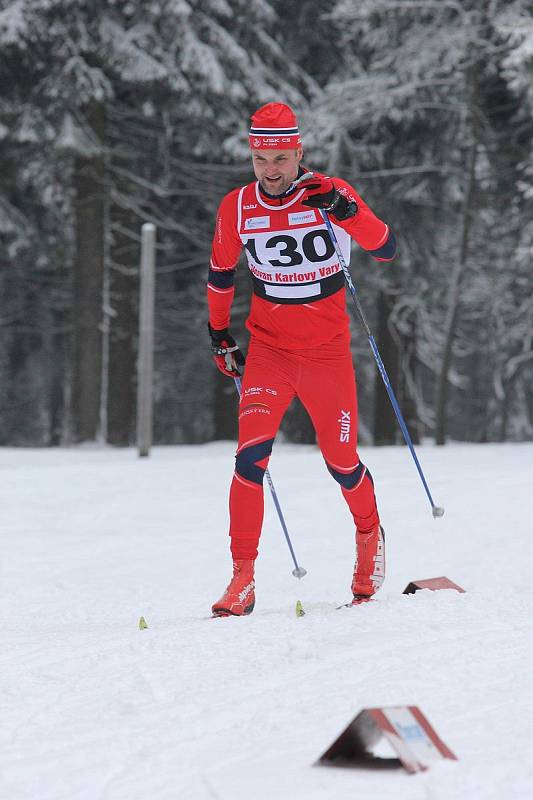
x: 120, y: 112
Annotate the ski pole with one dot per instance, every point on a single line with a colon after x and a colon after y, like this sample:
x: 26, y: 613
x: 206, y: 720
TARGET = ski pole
x: 298, y: 571
x: 437, y: 511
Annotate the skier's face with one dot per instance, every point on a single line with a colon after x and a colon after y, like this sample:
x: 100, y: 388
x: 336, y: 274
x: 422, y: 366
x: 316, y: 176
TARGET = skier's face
x: 276, y: 169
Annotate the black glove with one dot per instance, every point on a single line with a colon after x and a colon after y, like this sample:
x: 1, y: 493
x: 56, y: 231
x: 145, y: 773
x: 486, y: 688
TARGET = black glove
x: 226, y: 353
x: 328, y: 198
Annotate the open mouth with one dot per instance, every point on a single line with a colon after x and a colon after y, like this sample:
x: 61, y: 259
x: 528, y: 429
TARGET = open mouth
x: 273, y: 181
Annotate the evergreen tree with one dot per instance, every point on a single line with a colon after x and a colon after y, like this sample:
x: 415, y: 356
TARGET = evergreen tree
x: 430, y: 103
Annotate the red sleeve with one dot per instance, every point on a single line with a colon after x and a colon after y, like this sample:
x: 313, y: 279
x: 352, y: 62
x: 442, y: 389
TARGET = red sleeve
x: 370, y: 232
x: 225, y: 253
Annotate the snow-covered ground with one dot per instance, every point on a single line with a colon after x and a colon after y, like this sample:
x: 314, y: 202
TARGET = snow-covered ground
x: 92, y: 707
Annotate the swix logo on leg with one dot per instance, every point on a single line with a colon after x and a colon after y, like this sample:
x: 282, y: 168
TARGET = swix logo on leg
x: 346, y: 423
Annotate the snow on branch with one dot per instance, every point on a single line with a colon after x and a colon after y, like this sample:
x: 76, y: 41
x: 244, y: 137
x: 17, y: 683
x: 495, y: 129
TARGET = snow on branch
x: 13, y: 25
x: 134, y: 64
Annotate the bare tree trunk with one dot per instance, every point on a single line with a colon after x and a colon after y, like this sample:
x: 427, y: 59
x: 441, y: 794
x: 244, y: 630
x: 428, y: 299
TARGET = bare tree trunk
x: 454, y: 300
x: 88, y: 282
x: 514, y: 369
x: 58, y: 370
x: 406, y: 396
x: 123, y: 295
x: 506, y: 404
x: 20, y: 401
x: 385, y: 424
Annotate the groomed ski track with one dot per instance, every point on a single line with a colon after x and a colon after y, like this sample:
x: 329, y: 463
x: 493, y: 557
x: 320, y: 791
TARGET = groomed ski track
x: 92, y: 708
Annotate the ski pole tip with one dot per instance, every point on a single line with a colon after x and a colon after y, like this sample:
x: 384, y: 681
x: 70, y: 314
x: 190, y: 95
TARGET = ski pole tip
x: 438, y: 511
x: 299, y: 572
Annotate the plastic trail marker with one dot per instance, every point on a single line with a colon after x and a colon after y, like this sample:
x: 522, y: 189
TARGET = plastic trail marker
x: 434, y: 584
x: 299, y: 609
x: 409, y: 734
x: 142, y: 624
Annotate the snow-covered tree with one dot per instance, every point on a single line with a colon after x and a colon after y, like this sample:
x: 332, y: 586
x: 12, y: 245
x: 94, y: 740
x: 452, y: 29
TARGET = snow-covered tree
x: 118, y: 105
x: 424, y: 106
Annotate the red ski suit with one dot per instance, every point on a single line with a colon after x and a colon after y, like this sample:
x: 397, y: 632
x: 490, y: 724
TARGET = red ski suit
x: 300, y: 340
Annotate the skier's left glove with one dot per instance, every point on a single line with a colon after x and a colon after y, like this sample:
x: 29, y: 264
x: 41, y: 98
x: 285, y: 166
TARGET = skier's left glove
x: 324, y: 195
x: 226, y: 353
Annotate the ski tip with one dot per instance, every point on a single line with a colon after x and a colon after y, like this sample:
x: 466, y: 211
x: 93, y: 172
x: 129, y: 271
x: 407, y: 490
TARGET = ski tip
x: 142, y: 624
x: 357, y: 601
x: 299, y: 609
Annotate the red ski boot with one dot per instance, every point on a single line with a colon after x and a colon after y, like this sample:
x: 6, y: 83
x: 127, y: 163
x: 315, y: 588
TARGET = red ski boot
x: 239, y: 597
x: 369, y: 570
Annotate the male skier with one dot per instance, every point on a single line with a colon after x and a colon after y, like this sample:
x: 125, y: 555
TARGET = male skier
x: 300, y: 337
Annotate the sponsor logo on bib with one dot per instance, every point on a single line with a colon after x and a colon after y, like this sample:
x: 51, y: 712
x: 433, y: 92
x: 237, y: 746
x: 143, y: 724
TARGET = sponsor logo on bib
x: 301, y: 217
x: 252, y: 223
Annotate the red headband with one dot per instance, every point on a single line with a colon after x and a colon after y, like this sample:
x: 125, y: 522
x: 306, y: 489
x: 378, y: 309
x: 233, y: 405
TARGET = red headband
x: 274, y: 127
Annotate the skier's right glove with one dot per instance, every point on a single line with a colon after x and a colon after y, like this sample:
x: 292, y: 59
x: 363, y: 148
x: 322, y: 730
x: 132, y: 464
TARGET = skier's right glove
x: 226, y: 353
x: 327, y: 197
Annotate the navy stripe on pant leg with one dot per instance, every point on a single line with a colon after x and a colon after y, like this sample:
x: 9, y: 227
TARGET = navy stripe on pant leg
x: 245, y: 461
x: 350, y: 479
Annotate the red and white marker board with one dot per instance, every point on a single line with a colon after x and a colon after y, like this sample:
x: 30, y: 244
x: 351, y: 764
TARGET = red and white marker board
x: 434, y: 584
x: 405, y: 728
